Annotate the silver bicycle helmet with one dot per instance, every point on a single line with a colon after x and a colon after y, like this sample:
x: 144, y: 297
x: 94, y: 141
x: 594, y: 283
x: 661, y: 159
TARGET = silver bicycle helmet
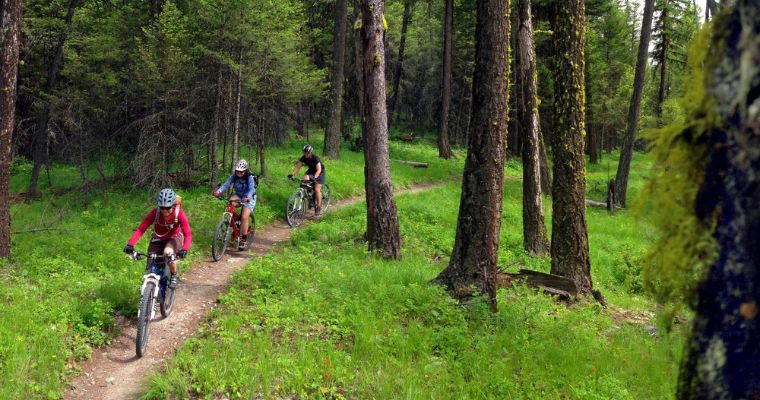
x: 241, y: 165
x: 308, y: 148
x: 166, y: 198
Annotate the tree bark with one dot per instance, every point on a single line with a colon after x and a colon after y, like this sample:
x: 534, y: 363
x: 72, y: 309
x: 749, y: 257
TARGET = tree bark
x: 569, y: 243
x: 663, y: 87
x: 332, y: 134
x: 626, y: 152
x: 358, y: 68
x: 40, y: 142
x: 236, y: 127
x: 444, y: 148
x: 546, y: 170
x: 10, y: 15
x: 474, y: 257
x: 382, y: 218
x: 535, y: 239
x: 400, y: 66
x: 591, y: 134
x: 214, y: 145
x: 723, y: 354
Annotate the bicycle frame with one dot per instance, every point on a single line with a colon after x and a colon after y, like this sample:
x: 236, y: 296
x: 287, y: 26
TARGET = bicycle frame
x: 158, y: 274
x: 231, y: 216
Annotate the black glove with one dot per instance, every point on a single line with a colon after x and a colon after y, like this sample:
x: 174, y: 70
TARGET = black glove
x: 129, y: 249
x: 290, y: 176
x: 182, y: 253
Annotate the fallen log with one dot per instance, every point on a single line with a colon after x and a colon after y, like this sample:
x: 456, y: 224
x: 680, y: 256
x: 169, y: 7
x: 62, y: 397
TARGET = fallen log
x: 559, y: 285
x: 415, y: 164
x: 594, y: 203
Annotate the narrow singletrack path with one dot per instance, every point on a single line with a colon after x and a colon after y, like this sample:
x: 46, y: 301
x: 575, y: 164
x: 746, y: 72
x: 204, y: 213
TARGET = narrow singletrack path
x: 114, y: 371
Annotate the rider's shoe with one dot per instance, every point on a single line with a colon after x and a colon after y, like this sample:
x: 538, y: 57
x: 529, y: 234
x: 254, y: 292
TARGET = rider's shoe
x: 241, y: 244
x: 173, y: 282
x: 318, y: 211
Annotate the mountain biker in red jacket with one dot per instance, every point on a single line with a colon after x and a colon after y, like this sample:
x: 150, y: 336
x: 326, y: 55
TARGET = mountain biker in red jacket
x: 171, y: 231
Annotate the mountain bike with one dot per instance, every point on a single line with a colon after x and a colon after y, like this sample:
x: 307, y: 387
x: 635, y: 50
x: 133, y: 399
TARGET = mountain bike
x: 302, y: 199
x: 229, y: 228
x: 155, y: 289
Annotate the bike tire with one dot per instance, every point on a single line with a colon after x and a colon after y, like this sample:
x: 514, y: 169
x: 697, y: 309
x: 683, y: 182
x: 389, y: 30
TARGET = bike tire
x: 326, y: 196
x: 220, y: 241
x: 295, y: 210
x: 144, y: 314
x: 167, y: 303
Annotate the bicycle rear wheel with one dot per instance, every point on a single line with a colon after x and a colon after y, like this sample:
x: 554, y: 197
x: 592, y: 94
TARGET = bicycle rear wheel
x: 167, y: 302
x: 221, y: 237
x: 144, y: 314
x: 295, y: 211
x: 326, y: 196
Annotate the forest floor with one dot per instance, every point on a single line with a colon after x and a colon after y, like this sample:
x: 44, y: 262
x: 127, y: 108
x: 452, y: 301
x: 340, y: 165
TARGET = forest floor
x: 115, y: 372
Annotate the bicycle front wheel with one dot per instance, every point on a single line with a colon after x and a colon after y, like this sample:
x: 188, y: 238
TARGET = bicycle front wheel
x: 221, y: 237
x: 295, y: 211
x: 144, y: 314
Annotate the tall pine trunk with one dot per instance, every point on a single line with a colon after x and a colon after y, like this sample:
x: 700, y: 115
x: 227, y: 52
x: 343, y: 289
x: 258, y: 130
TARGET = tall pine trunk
x: 382, y: 218
x: 444, y: 148
x: 474, y: 257
x: 723, y: 354
x: 626, y: 152
x: 358, y: 67
x: 569, y: 243
x: 236, y: 127
x: 10, y: 33
x: 332, y: 134
x: 40, y: 142
x: 591, y: 135
x: 535, y: 239
x: 400, y: 65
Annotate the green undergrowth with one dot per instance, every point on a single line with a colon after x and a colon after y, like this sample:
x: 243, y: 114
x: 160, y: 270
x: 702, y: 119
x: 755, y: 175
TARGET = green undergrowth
x: 68, y: 282
x: 321, y: 318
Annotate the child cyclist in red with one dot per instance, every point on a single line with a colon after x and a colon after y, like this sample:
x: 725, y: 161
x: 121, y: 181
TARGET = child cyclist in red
x: 171, y: 231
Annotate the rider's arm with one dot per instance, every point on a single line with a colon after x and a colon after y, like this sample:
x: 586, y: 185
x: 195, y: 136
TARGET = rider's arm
x: 251, y: 187
x: 226, y: 184
x: 319, y: 170
x: 146, y: 222
x: 297, y: 168
x: 184, y: 224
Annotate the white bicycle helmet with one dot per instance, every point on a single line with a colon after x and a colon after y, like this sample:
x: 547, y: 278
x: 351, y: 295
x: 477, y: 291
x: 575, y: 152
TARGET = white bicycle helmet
x: 166, y: 198
x: 308, y: 149
x: 241, y: 165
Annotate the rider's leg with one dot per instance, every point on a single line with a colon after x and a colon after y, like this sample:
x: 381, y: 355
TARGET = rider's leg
x: 318, y: 189
x: 244, y: 223
x: 168, y: 252
x: 155, y: 247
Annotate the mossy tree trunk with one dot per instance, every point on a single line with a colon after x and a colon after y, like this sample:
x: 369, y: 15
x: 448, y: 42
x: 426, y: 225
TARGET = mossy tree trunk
x: 332, y: 134
x: 382, y: 218
x: 626, y: 152
x: 723, y: 356
x: 535, y: 239
x: 474, y: 258
x: 397, y: 73
x: 569, y: 243
x: 10, y: 15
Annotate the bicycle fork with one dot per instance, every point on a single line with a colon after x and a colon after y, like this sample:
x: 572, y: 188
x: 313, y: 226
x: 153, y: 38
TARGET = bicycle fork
x: 155, y: 279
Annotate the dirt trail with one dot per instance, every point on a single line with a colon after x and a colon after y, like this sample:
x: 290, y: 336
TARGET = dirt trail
x: 114, y: 372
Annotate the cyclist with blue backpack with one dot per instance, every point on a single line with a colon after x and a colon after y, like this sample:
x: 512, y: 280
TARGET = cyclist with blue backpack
x: 171, y: 231
x: 243, y: 183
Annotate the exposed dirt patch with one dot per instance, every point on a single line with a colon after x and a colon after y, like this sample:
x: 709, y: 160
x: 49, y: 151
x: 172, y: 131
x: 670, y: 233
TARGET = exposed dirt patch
x: 115, y: 372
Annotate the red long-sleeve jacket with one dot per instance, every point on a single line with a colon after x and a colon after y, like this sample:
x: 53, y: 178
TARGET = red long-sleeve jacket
x: 165, y: 228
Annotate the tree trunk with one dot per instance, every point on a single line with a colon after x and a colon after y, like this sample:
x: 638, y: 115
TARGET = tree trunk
x: 332, y: 134
x: 444, y: 149
x: 236, y: 127
x: 569, y: 243
x: 262, y: 164
x: 214, y: 145
x: 711, y: 9
x: 663, y: 88
x: 723, y: 354
x: 400, y: 66
x: 474, y: 257
x: 535, y: 239
x: 382, y: 218
x: 40, y: 142
x: 626, y: 152
x: 546, y: 170
x: 10, y: 14
x: 359, y: 71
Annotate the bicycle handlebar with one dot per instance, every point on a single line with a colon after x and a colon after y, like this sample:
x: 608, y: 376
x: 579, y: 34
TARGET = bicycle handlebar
x: 136, y: 256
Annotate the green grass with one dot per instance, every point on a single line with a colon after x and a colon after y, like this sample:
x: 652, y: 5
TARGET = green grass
x: 321, y: 318
x: 65, y: 285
